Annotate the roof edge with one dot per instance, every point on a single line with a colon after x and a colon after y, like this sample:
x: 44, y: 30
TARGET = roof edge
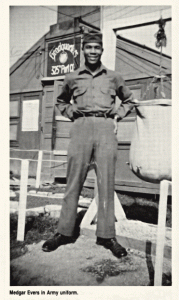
x: 23, y: 58
x: 142, y: 46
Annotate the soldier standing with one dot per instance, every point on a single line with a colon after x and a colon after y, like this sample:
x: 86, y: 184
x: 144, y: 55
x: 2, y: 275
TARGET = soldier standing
x: 93, y: 89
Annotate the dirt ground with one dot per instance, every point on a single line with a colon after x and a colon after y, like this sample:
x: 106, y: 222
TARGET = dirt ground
x: 84, y: 264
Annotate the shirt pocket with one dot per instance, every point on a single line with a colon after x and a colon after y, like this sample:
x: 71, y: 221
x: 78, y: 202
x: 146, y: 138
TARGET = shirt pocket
x: 107, y: 97
x: 108, y: 91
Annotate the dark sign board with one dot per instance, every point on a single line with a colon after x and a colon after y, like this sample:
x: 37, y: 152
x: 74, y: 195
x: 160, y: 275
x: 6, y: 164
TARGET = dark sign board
x: 63, y: 56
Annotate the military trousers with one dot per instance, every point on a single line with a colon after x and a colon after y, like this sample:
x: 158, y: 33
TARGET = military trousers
x: 92, y: 139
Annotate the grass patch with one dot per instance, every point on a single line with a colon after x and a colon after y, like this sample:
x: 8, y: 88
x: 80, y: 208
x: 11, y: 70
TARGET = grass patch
x: 36, y: 229
x: 108, y: 267
x: 144, y: 207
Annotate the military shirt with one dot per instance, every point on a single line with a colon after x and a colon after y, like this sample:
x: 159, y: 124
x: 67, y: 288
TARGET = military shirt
x: 94, y: 93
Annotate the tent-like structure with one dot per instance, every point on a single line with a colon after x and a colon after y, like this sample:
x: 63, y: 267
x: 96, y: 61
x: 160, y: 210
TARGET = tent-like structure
x: 29, y: 81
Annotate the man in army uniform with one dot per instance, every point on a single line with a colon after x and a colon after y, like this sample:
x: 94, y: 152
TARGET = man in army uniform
x: 93, y: 89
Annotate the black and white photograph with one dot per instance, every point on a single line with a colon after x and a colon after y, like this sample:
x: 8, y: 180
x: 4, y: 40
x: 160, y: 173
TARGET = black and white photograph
x: 90, y: 151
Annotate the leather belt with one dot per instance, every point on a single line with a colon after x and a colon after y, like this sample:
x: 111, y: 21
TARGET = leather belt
x: 92, y: 114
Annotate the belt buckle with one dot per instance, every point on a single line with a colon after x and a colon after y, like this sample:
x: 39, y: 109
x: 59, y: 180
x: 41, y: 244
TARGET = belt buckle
x: 99, y: 114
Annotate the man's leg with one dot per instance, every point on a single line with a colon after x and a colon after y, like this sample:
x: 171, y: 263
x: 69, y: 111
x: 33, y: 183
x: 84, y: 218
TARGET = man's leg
x: 105, y: 156
x: 79, y: 156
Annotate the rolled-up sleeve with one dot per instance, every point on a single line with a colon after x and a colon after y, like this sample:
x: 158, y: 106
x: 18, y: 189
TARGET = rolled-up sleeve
x: 63, y: 100
x: 126, y: 96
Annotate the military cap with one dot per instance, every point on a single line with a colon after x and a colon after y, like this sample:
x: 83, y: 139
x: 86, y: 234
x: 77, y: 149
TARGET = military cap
x: 92, y: 37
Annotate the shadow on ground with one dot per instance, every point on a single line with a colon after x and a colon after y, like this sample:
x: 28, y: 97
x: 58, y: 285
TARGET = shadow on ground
x: 166, y: 277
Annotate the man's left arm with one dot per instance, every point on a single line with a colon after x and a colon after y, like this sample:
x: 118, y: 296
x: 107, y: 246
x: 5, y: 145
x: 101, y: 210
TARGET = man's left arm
x: 126, y: 96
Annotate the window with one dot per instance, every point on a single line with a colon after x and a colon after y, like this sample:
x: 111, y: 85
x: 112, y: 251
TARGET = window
x: 14, y: 111
x: 13, y: 132
x: 14, y: 119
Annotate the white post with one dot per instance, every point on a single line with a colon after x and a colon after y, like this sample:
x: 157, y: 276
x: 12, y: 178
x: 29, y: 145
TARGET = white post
x: 22, y: 200
x: 96, y: 197
x: 101, y: 19
x: 96, y: 189
x: 93, y: 208
x: 109, y: 45
x: 39, y: 167
x: 164, y: 185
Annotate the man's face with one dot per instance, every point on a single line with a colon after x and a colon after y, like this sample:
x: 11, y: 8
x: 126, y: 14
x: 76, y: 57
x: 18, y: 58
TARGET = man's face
x: 92, y: 52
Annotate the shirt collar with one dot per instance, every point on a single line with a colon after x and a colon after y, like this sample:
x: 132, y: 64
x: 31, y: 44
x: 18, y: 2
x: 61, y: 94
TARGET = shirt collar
x: 84, y: 69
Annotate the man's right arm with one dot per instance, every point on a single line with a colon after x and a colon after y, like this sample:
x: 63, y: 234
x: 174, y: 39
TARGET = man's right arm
x: 63, y: 100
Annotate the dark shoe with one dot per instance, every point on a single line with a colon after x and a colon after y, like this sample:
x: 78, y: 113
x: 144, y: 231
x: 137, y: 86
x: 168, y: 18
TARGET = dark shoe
x: 56, y: 241
x: 113, y: 245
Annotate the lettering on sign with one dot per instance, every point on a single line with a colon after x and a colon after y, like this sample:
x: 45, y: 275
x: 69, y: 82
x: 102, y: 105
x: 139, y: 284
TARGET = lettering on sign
x: 63, y: 56
x: 62, y: 69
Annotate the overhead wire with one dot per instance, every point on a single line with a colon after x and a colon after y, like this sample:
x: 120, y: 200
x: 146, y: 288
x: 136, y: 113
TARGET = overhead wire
x: 90, y: 13
x: 70, y: 16
x: 44, y: 50
x: 37, y: 54
x: 120, y: 10
x: 29, y: 52
x: 127, y: 13
x: 119, y: 17
x: 144, y: 13
x: 29, y: 61
x: 25, y: 59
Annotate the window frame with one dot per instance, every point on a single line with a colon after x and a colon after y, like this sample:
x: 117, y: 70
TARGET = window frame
x: 15, y: 120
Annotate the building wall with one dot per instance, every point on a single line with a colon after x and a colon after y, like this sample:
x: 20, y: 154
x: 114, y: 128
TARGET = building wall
x: 21, y: 138
x: 90, y: 14
x: 26, y: 73
x: 31, y: 77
